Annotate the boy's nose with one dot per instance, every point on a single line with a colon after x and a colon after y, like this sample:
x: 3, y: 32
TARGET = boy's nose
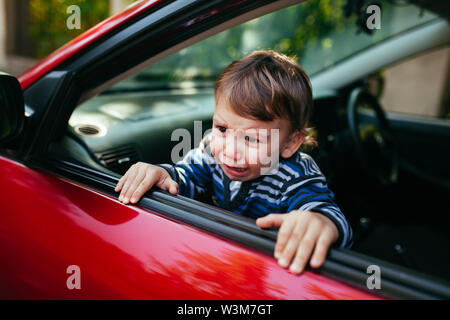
x: 233, y: 149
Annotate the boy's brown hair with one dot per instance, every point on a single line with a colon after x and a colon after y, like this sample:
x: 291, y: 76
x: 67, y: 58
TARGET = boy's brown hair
x: 266, y: 85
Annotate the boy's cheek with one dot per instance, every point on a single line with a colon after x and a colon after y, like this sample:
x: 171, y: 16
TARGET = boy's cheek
x: 253, y: 156
x: 268, y: 159
x: 216, y: 142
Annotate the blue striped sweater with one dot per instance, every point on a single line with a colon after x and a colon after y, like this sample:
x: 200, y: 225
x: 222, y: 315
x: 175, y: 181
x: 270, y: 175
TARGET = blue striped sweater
x: 297, y: 185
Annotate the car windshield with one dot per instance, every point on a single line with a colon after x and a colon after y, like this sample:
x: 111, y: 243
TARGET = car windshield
x: 319, y: 34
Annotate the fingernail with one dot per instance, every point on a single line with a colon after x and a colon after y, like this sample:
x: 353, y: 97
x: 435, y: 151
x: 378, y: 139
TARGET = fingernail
x: 133, y: 200
x: 277, y: 254
x: 120, y: 198
x: 314, y: 263
x: 283, y: 262
x: 125, y: 200
x: 295, y: 268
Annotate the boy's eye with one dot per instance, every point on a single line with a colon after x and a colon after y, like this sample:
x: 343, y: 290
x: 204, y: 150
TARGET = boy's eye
x: 251, y: 139
x: 222, y: 129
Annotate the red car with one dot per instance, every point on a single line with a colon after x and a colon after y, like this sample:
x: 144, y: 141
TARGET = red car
x: 74, y: 123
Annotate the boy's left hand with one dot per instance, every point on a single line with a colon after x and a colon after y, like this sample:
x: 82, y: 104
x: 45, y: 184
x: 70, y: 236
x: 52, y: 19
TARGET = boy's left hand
x: 300, y: 233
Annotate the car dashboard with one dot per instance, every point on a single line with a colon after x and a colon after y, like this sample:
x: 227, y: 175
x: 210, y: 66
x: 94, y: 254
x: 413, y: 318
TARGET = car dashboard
x: 121, y: 129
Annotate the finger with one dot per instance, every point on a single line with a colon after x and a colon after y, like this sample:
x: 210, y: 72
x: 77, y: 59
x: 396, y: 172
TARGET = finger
x: 320, y: 251
x: 271, y: 220
x: 128, y: 184
x: 304, y: 250
x: 287, y: 252
x: 167, y: 183
x: 284, y: 234
x: 138, y: 180
x: 292, y: 220
x: 173, y: 189
x: 145, y: 184
x: 119, y: 184
x: 128, y: 178
x: 125, y: 179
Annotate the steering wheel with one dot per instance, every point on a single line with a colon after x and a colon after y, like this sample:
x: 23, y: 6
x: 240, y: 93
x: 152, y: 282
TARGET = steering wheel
x: 372, y: 136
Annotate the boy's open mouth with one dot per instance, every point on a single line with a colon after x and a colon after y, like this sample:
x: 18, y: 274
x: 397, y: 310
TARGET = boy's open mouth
x: 235, y: 171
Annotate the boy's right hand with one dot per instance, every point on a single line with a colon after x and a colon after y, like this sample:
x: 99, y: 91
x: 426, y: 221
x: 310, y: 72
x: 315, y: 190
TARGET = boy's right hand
x: 140, y: 178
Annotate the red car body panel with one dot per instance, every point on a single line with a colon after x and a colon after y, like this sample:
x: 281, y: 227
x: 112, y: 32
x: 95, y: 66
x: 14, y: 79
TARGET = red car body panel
x: 83, y: 40
x: 124, y: 252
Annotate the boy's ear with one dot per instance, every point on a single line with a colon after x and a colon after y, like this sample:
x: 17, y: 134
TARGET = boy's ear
x: 294, y: 142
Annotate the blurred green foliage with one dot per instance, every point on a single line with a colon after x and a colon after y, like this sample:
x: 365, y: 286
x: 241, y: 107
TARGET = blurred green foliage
x: 313, y: 22
x: 48, y: 21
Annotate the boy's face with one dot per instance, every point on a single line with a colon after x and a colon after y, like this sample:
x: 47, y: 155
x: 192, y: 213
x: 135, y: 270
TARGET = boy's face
x: 247, y: 148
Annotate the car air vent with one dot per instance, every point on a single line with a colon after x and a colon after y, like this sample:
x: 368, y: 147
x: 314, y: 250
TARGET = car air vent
x: 119, y: 159
x: 87, y: 130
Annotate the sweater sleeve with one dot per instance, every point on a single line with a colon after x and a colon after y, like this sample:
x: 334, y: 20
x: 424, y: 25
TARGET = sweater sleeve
x: 310, y: 192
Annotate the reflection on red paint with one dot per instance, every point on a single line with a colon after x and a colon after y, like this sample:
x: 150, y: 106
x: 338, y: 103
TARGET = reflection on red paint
x: 241, y: 277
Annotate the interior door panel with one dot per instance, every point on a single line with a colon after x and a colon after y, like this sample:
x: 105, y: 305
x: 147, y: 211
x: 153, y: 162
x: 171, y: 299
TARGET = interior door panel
x: 423, y: 145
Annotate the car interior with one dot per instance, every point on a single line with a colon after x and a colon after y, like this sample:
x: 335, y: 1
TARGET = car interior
x: 388, y: 170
